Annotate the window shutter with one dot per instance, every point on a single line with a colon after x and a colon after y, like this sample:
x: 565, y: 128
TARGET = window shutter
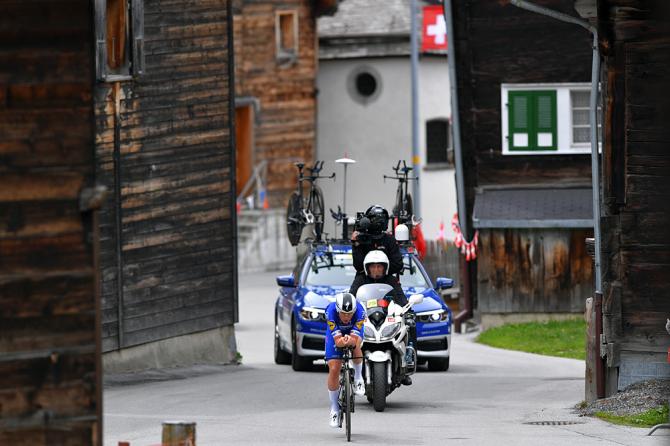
x: 138, y: 37
x: 520, y: 128
x: 101, y: 39
x: 545, y: 120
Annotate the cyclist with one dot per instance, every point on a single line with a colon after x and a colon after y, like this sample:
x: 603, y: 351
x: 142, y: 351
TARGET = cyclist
x: 376, y: 238
x: 345, y: 319
x: 376, y: 266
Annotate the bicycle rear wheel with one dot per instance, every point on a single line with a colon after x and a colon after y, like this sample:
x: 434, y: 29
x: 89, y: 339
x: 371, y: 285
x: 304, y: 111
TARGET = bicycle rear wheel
x: 294, y: 222
x: 316, y: 207
x: 347, y: 401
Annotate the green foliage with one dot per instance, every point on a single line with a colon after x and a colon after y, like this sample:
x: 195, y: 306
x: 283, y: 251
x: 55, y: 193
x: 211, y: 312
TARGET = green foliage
x: 566, y: 339
x: 649, y: 418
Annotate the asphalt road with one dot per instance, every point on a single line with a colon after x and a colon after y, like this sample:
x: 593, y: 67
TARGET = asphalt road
x: 488, y: 397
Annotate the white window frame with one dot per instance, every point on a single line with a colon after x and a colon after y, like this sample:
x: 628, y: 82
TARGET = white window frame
x: 564, y: 133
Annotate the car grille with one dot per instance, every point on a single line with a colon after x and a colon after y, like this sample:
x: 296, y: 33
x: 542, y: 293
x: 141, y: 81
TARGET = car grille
x: 312, y: 343
x: 433, y: 345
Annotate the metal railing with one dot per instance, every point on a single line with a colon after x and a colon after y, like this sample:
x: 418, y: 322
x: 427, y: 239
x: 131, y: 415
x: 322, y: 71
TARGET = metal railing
x: 254, y: 193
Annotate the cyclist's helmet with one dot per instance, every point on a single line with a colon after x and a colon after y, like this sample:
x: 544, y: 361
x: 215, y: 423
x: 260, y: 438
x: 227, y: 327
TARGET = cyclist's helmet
x: 379, y: 218
x: 376, y: 256
x: 345, y: 303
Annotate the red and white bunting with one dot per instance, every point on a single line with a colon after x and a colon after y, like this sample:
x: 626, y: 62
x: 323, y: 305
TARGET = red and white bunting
x: 467, y: 248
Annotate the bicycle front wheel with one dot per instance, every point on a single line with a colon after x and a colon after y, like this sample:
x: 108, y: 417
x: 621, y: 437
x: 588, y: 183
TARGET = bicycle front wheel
x: 347, y: 401
x: 294, y: 222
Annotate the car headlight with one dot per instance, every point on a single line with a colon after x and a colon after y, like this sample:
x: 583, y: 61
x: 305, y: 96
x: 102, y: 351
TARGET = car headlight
x: 369, y: 333
x: 312, y: 314
x: 433, y: 316
x: 390, y: 330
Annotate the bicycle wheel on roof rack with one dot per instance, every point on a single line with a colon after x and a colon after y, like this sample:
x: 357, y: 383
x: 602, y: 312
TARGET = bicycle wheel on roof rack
x: 294, y: 222
x: 316, y: 206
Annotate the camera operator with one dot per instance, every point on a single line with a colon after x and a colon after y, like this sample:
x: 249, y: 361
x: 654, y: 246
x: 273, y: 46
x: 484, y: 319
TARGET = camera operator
x: 370, y: 234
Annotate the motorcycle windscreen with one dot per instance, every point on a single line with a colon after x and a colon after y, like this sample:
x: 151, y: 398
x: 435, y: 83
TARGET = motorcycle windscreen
x: 372, y: 291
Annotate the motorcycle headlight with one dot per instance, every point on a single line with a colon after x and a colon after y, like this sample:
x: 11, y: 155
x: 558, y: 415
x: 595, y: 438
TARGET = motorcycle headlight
x: 312, y: 314
x: 369, y: 333
x: 390, y: 330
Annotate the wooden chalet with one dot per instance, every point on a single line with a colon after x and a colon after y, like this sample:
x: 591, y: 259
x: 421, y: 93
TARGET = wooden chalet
x: 523, y: 91
x: 136, y: 97
x: 50, y: 388
x: 635, y: 45
x: 164, y: 149
x: 275, y: 88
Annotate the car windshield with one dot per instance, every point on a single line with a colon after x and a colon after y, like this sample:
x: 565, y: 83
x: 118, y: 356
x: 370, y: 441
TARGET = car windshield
x: 411, y: 274
x: 330, y: 269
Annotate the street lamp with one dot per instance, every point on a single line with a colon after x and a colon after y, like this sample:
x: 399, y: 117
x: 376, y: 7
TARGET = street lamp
x: 345, y: 162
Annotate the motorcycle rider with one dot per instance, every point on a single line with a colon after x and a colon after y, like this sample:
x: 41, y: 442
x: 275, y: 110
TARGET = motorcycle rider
x: 345, y: 318
x: 374, y: 238
x: 376, y: 266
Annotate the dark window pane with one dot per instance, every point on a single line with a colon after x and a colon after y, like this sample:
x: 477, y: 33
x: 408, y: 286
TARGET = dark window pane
x: 437, y: 140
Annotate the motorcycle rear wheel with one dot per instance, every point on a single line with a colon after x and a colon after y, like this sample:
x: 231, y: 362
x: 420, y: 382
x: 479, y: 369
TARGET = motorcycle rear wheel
x: 379, y: 386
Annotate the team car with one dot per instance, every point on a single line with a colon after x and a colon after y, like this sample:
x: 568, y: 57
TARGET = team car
x: 327, y: 269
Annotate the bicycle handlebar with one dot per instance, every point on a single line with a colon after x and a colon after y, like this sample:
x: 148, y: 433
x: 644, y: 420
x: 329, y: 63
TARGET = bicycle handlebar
x: 314, y: 172
x: 405, y: 178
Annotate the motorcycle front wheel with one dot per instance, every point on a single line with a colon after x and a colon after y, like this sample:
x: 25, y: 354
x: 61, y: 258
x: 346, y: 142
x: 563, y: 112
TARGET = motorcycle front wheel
x: 379, y: 386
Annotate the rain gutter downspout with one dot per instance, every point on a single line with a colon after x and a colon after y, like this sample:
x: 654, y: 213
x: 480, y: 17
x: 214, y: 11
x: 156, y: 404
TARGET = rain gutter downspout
x: 458, y: 158
x: 595, y: 177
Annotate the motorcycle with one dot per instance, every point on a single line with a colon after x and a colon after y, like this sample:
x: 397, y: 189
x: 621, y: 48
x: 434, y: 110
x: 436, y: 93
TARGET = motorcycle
x: 385, y: 349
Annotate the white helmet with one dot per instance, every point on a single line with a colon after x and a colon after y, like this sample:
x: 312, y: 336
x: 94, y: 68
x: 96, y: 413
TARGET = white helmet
x: 375, y: 257
x: 402, y: 233
x: 345, y: 303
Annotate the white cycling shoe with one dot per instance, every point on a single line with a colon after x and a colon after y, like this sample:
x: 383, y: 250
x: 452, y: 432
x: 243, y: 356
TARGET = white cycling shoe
x: 334, y: 418
x: 359, y: 387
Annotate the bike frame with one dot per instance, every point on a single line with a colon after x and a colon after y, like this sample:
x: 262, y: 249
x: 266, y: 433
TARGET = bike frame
x: 346, y: 387
x: 306, y: 210
x: 403, y: 178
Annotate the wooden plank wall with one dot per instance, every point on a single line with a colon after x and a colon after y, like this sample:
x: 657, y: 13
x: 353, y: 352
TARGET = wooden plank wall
x: 528, y: 271
x: 49, y: 387
x: 176, y: 168
x: 286, y: 124
x: 635, y: 40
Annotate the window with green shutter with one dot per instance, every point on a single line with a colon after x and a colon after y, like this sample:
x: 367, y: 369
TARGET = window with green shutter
x: 532, y: 120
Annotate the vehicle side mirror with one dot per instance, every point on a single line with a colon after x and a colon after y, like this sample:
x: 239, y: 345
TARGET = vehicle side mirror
x: 443, y: 283
x: 415, y: 299
x: 286, y: 281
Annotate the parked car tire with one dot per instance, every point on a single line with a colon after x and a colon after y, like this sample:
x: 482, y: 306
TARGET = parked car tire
x: 281, y: 356
x: 438, y: 364
x: 298, y: 363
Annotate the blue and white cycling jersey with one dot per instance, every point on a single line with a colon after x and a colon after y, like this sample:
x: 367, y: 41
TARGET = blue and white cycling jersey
x: 337, y: 327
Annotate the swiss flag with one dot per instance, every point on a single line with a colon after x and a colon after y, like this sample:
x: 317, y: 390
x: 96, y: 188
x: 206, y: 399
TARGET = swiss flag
x: 434, y: 34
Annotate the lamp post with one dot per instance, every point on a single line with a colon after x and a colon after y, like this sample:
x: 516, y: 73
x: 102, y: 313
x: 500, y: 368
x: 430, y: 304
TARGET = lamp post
x: 345, y: 162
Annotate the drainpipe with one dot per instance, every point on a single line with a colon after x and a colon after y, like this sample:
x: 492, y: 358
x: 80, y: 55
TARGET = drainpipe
x: 595, y: 179
x: 414, y: 57
x: 466, y: 313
